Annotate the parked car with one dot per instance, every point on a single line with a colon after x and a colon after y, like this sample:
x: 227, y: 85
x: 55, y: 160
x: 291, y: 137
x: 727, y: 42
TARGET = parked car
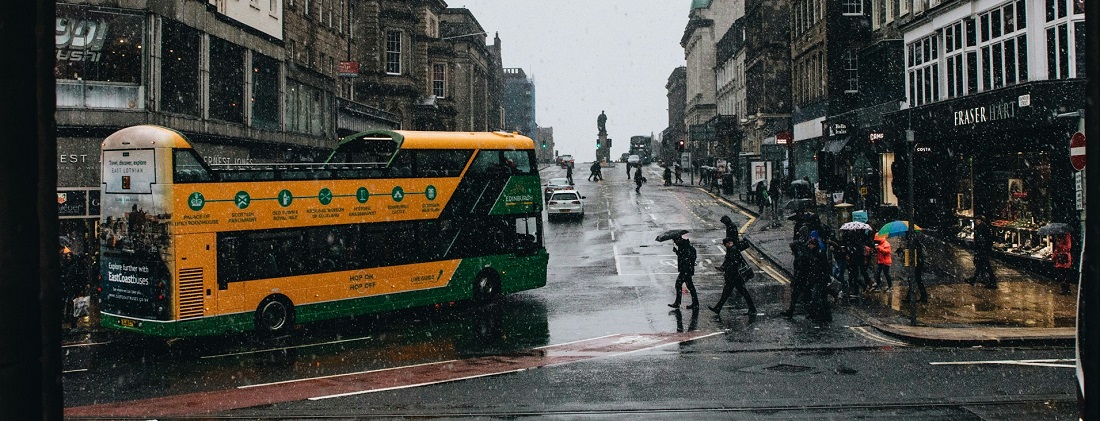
x: 555, y: 184
x: 566, y: 161
x: 565, y: 203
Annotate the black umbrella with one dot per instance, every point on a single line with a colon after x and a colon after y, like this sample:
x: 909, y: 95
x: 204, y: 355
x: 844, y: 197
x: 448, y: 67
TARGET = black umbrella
x: 671, y: 234
x: 1054, y: 228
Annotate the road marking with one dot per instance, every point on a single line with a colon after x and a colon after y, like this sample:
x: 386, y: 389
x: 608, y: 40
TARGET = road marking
x: 260, y: 351
x: 867, y: 333
x: 346, y: 384
x: 618, y: 267
x: 79, y: 370
x: 1055, y: 362
x: 744, y: 227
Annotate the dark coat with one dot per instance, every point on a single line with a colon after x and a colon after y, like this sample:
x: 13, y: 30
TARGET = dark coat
x: 685, y: 257
x: 733, y: 261
x: 983, y: 239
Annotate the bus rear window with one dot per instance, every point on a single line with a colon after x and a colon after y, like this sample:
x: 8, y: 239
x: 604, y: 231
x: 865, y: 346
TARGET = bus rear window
x: 187, y: 167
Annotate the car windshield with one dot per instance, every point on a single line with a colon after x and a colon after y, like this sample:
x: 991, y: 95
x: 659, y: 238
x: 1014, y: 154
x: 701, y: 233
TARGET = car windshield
x: 905, y: 182
x: 564, y: 196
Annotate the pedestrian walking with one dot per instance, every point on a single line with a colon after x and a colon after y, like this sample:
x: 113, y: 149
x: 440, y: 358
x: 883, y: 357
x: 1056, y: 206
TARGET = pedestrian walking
x: 628, y: 164
x: 685, y: 265
x: 800, y: 275
x: 596, y: 172
x: 1063, y: 260
x: 775, y: 194
x: 667, y: 175
x: 731, y: 229
x: 859, y: 258
x: 732, y: 269
x: 983, y: 248
x: 884, y: 260
x: 916, y: 259
x: 761, y: 197
x: 678, y: 170
x: 569, y: 173
x: 638, y: 180
x: 817, y: 278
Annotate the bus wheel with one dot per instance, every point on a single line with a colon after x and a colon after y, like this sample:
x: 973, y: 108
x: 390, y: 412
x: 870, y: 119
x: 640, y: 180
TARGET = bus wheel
x: 274, y: 315
x: 486, y: 286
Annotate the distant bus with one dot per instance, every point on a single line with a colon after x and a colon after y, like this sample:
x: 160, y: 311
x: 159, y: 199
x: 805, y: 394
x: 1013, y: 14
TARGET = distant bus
x: 640, y: 145
x: 392, y: 220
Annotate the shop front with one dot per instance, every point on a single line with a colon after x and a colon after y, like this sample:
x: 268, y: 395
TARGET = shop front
x: 1003, y: 154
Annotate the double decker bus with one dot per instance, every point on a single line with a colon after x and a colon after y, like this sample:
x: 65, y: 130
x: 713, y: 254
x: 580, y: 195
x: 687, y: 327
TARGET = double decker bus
x: 391, y: 220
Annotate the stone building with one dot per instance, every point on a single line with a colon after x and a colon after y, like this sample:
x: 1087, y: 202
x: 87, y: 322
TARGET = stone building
x: 519, y: 102
x: 708, y: 21
x: 672, y: 135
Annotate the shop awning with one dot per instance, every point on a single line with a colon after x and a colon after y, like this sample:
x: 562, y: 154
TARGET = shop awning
x: 834, y: 146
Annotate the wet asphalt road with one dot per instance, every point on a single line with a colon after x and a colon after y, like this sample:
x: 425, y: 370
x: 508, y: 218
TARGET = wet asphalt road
x: 608, y: 278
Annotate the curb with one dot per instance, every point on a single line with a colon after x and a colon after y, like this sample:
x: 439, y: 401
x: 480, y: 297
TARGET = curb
x: 970, y: 335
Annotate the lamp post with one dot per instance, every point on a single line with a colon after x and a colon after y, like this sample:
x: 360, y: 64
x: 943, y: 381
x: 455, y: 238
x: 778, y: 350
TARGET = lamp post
x: 910, y: 145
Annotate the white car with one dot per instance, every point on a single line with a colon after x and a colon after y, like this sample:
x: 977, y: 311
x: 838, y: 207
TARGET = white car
x: 633, y: 160
x: 565, y: 203
x: 555, y: 184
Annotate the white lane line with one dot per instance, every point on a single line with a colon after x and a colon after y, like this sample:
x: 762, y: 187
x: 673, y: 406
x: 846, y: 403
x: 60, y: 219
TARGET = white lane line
x: 618, y: 267
x: 259, y: 351
x: 1054, y: 362
x: 344, y: 374
x: 362, y: 392
x: 866, y: 333
x: 79, y: 370
x: 84, y: 344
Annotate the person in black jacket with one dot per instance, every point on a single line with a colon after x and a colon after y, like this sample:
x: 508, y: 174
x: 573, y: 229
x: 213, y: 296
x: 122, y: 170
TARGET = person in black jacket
x: 731, y: 229
x: 730, y: 268
x: 685, y: 265
x: 983, y: 248
x: 638, y: 179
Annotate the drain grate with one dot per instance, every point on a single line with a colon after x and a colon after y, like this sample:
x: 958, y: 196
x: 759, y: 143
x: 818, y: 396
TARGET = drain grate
x: 788, y: 368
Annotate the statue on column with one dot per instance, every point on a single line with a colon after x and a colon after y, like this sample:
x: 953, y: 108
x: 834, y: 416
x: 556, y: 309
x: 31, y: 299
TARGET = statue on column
x: 601, y: 122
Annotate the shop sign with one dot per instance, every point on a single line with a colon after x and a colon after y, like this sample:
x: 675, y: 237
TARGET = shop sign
x: 348, y: 69
x: 984, y: 114
x: 875, y: 137
x: 72, y: 203
x: 859, y: 216
x: 783, y: 138
x: 834, y: 129
x: 1079, y: 184
x: 93, y: 202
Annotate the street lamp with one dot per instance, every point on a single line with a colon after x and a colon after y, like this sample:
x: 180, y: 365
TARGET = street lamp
x: 910, y: 144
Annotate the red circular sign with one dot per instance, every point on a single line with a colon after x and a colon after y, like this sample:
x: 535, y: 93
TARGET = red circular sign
x: 1077, y: 151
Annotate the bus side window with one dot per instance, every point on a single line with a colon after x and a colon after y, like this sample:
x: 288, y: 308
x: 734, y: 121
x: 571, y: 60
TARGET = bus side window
x: 229, y: 260
x: 187, y: 167
x: 519, y: 161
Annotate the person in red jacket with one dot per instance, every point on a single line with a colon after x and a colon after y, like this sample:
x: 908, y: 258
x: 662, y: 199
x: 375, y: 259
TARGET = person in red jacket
x: 884, y: 259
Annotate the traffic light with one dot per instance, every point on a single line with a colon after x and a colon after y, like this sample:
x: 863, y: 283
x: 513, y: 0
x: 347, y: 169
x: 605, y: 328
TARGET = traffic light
x: 544, y: 144
x: 680, y: 146
x: 597, y: 143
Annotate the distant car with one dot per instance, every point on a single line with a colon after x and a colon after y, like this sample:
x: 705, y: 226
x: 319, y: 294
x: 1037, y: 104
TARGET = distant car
x: 565, y: 203
x: 565, y: 161
x: 555, y: 184
x: 633, y: 160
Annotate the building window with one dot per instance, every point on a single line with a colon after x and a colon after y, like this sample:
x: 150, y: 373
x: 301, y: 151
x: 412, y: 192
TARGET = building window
x: 1004, y: 45
x: 179, y: 84
x: 853, y: 7
x: 265, y: 92
x: 305, y: 108
x: 923, y: 70
x: 226, y: 81
x: 98, y: 58
x: 851, y: 71
x: 1065, y: 39
x: 439, y: 80
x: 393, y: 52
x: 961, y: 59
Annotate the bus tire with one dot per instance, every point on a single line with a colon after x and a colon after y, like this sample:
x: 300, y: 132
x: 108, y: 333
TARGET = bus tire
x: 486, y: 286
x: 274, y: 315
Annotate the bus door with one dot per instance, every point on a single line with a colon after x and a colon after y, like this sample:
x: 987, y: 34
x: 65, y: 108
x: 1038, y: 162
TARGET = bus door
x: 196, y: 289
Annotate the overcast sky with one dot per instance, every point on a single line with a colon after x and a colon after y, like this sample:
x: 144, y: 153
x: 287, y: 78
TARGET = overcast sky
x: 591, y: 55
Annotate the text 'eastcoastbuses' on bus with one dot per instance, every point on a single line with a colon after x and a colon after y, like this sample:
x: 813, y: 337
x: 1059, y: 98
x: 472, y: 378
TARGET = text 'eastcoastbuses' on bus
x: 391, y: 220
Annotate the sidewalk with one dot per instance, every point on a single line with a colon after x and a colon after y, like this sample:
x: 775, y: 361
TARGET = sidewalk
x: 1025, y: 308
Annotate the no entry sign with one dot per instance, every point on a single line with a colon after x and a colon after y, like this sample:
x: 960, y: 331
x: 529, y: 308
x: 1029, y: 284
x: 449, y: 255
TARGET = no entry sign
x: 1077, y: 151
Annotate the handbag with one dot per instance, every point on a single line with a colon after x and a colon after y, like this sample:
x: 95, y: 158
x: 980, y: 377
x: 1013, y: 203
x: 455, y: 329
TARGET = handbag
x: 744, y: 271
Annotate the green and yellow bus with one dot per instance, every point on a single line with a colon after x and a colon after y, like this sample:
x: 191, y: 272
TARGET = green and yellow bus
x: 391, y: 220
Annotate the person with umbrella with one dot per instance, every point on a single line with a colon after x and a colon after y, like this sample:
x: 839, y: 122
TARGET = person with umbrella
x: 731, y: 271
x: 685, y: 266
x: 983, y: 248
